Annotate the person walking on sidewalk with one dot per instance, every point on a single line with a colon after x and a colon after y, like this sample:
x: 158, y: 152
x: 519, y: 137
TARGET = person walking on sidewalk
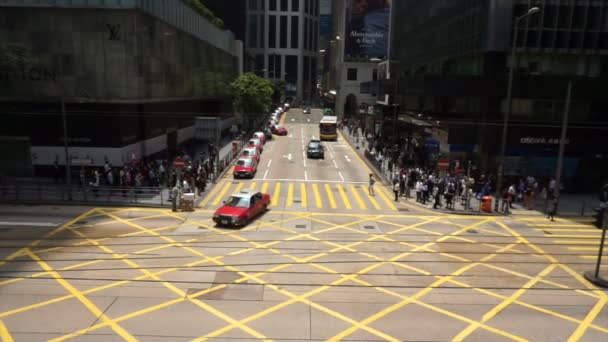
x: 396, y: 190
x: 371, y: 185
x: 552, y: 208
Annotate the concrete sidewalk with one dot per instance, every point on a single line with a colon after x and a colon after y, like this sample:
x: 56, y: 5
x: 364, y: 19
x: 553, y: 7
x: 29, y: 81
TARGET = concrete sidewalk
x: 569, y: 204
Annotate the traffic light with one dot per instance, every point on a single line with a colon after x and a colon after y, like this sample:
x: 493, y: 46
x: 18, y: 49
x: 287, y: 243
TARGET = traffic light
x: 599, y: 217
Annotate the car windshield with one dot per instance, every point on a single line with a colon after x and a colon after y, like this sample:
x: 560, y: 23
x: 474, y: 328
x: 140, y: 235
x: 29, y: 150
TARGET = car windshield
x: 244, y: 162
x: 240, y: 202
x: 278, y: 126
x: 314, y: 146
x: 254, y: 142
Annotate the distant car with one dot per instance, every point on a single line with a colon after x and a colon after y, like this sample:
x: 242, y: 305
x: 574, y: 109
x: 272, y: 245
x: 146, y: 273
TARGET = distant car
x: 241, y: 207
x: 245, y: 168
x: 251, y: 152
x: 261, y: 136
x: 315, y: 149
x: 268, y: 133
x: 306, y: 110
x: 279, y: 130
x: 256, y: 143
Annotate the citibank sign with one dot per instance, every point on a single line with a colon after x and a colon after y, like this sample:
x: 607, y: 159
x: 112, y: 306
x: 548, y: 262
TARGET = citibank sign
x: 541, y: 141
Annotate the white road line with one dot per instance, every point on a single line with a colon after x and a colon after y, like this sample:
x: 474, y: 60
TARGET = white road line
x: 304, y: 160
x: 347, y: 159
x: 305, y: 175
x: 266, y: 174
x: 340, y: 174
x: 335, y: 164
x: 270, y: 161
x: 290, y: 135
x: 32, y: 224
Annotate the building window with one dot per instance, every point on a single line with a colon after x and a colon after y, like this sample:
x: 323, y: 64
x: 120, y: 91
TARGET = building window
x: 291, y: 69
x: 295, y: 32
x: 284, y: 4
x: 272, y: 5
x: 351, y: 74
x: 262, y: 31
x: 295, y: 5
x: 253, y: 5
x: 374, y: 74
x: 274, y: 66
x: 305, y: 33
x: 272, y: 31
x: 253, y: 31
x: 306, y: 5
x: 283, y: 31
x: 262, y: 5
x: 310, y: 34
x: 315, y: 36
x: 259, y: 65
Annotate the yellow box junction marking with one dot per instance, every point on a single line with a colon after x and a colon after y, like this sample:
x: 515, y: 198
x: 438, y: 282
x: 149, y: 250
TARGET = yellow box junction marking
x: 5, y: 335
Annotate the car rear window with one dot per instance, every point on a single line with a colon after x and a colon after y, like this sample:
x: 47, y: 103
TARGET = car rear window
x: 244, y: 162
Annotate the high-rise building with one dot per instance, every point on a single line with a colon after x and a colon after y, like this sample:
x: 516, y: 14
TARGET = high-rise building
x: 282, y: 35
x: 454, y: 58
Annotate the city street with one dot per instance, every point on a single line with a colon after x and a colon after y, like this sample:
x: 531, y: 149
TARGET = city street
x: 326, y: 262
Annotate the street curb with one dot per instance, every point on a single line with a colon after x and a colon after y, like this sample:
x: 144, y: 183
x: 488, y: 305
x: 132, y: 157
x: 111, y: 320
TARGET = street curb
x: 362, y: 157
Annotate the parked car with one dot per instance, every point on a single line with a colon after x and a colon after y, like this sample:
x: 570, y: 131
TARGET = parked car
x: 306, y: 110
x: 268, y: 133
x: 256, y: 143
x: 251, y: 152
x: 279, y: 130
x: 245, y: 168
x: 315, y: 149
x: 261, y: 136
x: 241, y: 207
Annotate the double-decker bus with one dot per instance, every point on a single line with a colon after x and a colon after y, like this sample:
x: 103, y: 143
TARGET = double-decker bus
x: 328, y: 128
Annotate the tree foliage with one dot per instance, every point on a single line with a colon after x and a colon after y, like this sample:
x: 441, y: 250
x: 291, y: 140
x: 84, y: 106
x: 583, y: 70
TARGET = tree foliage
x: 252, y: 94
x: 209, y: 83
x: 205, y: 12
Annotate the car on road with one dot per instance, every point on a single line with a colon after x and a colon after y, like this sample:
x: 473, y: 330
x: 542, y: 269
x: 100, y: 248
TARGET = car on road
x: 261, y: 136
x: 279, y: 130
x: 251, y: 152
x: 306, y: 110
x: 256, y: 143
x: 315, y: 149
x: 241, y: 207
x: 245, y: 168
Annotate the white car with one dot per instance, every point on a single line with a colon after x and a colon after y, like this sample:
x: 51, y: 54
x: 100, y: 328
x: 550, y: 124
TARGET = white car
x: 261, y: 136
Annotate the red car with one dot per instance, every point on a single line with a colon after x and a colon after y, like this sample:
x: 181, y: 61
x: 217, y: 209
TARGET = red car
x: 255, y: 143
x: 251, y: 152
x: 259, y: 135
x: 241, y: 208
x: 279, y: 130
x: 245, y: 167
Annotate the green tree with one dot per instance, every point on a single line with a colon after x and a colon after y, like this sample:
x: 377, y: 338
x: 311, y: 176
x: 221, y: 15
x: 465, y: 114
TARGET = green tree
x: 252, y: 94
x: 14, y: 57
x: 209, y: 83
x: 205, y: 12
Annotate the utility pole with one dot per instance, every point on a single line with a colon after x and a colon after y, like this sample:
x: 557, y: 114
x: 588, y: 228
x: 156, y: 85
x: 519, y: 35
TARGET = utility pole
x: 562, y: 143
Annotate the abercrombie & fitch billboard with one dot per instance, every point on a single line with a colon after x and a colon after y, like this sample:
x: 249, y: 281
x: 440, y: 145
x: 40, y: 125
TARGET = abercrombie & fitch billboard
x: 366, y: 29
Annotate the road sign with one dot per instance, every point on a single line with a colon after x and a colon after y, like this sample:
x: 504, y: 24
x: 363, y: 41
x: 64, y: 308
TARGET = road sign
x: 443, y: 164
x: 178, y: 163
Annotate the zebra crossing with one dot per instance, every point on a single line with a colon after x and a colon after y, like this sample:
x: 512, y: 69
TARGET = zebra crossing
x: 308, y: 195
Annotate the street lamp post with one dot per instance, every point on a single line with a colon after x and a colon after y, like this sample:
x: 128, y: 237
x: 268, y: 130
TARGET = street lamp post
x: 505, y: 126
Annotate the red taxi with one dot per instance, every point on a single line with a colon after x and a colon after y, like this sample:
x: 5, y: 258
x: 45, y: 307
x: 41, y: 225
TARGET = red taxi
x: 279, y: 130
x: 259, y: 135
x: 241, y: 207
x: 256, y: 143
x: 245, y: 168
x: 251, y: 152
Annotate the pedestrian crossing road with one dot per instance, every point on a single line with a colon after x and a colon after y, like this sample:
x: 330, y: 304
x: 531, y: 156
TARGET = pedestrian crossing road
x: 308, y: 195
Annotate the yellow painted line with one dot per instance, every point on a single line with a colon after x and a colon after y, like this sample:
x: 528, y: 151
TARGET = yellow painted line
x: 239, y: 187
x: 5, y: 335
x: 353, y: 190
x: 213, y: 192
x: 498, y: 308
x: 330, y: 196
x: 276, y: 193
x: 591, y: 315
x: 303, y: 196
x: 315, y: 189
x: 25, y: 249
x: 290, y: 195
x: 264, y: 188
x: 560, y: 225
x: 381, y: 190
x: 82, y: 298
x: 584, y: 248
x: 222, y: 193
x: 370, y: 198
x: 344, y: 197
x: 574, y: 236
x: 253, y: 185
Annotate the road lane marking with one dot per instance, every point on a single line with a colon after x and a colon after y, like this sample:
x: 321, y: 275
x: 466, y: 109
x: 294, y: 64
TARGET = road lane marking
x: 347, y: 159
x: 264, y: 187
x: 335, y: 164
x: 305, y: 175
x: 265, y: 174
x: 381, y: 191
x: 253, y: 185
x: 303, y: 195
x: 276, y: 193
x: 340, y: 174
x: 330, y: 196
x: 239, y: 187
x: 82, y: 298
x: 370, y: 198
x: 344, y: 197
x: 5, y: 335
x: 354, y: 191
x: 304, y: 161
x: 221, y: 195
x: 315, y: 189
x: 290, y: 195
x: 269, y: 162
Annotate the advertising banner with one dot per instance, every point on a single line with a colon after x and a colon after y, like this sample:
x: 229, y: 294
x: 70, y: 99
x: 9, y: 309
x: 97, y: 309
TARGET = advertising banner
x: 366, y: 29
